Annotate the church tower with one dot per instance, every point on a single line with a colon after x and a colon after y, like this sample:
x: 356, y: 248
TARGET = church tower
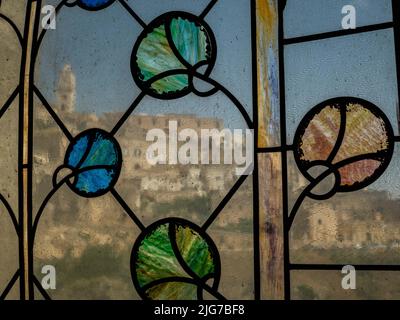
x: 66, y: 90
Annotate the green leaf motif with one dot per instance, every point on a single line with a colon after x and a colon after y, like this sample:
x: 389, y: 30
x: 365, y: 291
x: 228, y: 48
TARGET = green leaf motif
x: 157, y: 260
x: 167, y: 50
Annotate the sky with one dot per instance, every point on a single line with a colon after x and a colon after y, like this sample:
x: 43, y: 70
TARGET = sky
x: 314, y: 16
x: 98, y: 46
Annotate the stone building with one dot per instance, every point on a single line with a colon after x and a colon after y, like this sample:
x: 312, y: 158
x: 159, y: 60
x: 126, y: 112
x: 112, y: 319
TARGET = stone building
x: 66, y: 90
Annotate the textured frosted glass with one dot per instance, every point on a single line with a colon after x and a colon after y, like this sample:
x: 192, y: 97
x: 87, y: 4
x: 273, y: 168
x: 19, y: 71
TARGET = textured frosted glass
x: 303, y: 17
x: 326, y: 285
x: 360, y: 66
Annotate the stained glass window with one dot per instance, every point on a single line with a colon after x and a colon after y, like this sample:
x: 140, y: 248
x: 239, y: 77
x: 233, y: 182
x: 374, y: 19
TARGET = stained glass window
x: 89, y: 202
x: 341, y: 102
x: 195, y: 150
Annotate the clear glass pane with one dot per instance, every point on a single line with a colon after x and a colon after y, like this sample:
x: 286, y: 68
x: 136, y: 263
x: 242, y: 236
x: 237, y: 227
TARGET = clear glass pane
x: 10, y: 58
x: 84, y: 74
x: 359, y: 227
x: 359, y: 66
x: 326, y: 285
x: 305, y: 17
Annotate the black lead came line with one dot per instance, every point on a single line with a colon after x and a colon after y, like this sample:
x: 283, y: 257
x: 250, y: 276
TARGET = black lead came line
x: 13, y: 26
x: 304, y: 195
x: 208, y: 8
x: 256, y: 191
x: 200, y: 282
x: 132, y: 107
x: 396, y: 26
x: 334, y: 168
x: 9, y: 101
x: 53, y: 191
x: 201, y: 285
x: 224, y: 202
x: 230, y: 95
x: 10, y: 285
x: 274, y: 149
x: 191, y: 73
x: 10, y: 213
x: 127, y: 209
x: 338, y: 33
x: 20, y: 150
x: 25, y: 146
x: 133, y: 13
x: 340, y: 137
x: 53, y: 114
x: 284, y: 156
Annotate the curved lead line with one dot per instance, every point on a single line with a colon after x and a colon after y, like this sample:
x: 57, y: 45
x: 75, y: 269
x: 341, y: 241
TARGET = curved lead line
x: 217, y: 87
x: 88, y: 149
x: 165, y: 280
x: 283, y: 4
x: 341, y: 133
x: 204, y: 94
x: 71, y: 4
x: 9, y: 101
x: 200, y: 281
x: 205, y: 279
x: 54, y: 190
x: 175, y: 51
x: 188, y: 73
x: 334, y: 168
x: 192, y: 75
x: 366, y: 156
x: 40, y: 288
x: 215, y: 293
x: 201, y: 64
x: 13, y: 26
x: 57, y: 171
x: 163, y: 75
x: 210, y: 290
x: 178, y: 255
x: 210, y: 40
x: 235, y: 101
x: 306, y: 192
x: 10, y: 213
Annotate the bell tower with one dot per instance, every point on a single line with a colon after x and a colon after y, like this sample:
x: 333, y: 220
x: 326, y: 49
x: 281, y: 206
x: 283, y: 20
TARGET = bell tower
x: 66, y: 90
